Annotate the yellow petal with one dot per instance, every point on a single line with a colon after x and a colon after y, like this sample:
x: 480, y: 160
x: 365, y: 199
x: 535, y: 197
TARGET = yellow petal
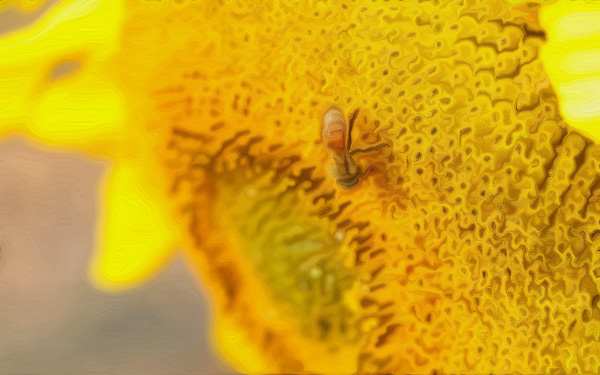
x: 87, y: 113
x: 136, y: 233
x: 571, y: 59
x: 34, y: 97
x: 91, y: 25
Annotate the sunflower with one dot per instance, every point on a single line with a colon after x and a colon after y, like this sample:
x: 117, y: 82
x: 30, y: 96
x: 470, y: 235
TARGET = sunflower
x: 364, y: 186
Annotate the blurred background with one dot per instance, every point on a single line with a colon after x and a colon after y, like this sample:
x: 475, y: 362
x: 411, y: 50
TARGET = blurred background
x: 51, y: 319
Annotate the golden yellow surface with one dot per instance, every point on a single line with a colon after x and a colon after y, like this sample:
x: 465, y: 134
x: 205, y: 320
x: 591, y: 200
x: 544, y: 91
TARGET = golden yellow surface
x: 463, y: 239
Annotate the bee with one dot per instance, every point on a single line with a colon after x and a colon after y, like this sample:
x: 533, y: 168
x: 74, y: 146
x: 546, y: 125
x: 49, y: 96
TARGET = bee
x: 337, y: 139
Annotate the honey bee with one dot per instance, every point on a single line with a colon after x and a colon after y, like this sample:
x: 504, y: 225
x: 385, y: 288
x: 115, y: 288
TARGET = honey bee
x: 336, y: 135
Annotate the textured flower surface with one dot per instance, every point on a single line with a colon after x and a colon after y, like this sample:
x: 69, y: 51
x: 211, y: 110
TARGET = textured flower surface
x: 365, y: 186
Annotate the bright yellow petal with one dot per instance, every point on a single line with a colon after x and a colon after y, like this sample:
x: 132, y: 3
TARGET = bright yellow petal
x: 83, y: 112
x: 571, y: 58
x: 136, y: 235
x: 87, y: 113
